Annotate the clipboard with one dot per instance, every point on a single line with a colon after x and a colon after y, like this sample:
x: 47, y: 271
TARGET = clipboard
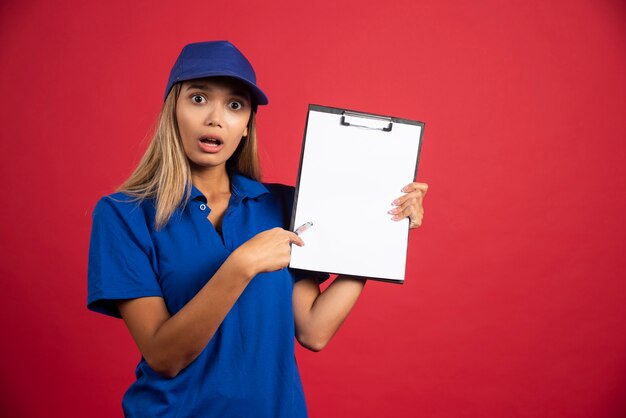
x: 352, y: 167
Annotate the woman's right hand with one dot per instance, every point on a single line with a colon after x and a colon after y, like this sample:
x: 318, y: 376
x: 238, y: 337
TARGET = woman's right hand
x: 268, y: 250
x: 170, y: 343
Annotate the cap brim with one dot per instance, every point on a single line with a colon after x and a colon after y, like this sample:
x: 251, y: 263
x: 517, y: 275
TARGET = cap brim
x: 257, y: 94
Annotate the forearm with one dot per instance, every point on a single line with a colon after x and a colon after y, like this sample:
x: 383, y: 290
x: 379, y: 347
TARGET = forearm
x: 324, y: 313
x: 170, y: 343
x: 175, y: 341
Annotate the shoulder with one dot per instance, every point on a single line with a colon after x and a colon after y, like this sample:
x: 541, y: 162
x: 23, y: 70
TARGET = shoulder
x: 281, y: 193
x: 280, y: 189
x: 123, y: 208
x: 122, y: 202
x: 276, y: 203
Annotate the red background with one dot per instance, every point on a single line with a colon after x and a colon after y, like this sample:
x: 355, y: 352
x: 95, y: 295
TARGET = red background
x: 514, y: 301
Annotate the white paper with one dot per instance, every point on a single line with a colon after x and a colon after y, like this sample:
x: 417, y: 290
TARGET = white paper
x: 349, y: 178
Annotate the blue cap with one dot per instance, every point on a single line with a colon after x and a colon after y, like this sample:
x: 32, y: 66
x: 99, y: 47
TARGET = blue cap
x: 215, y: 59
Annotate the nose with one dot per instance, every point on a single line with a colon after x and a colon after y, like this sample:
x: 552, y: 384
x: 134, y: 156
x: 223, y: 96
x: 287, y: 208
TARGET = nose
x: 215, y: 116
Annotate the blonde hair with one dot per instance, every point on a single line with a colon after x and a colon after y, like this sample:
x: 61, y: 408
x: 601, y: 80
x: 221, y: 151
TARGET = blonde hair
x: 164, y: 174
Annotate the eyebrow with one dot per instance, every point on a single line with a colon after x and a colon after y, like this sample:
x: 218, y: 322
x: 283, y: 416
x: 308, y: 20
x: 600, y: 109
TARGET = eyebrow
x: 204, y: 87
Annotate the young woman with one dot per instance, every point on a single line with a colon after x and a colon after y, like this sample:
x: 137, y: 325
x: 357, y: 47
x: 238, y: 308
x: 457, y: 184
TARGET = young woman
x: 192, y: 253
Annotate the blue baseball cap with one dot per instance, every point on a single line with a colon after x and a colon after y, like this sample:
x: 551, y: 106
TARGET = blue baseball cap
x: 215, y: 59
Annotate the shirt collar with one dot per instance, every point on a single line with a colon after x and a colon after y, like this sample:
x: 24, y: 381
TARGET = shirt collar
x: 240, y: 185
x: 243, y: 186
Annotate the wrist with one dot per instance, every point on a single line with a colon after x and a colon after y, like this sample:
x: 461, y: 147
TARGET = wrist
x: 243, y: 264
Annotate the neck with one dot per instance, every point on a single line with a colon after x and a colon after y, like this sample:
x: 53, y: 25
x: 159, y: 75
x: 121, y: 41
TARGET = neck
x: 212, y: 181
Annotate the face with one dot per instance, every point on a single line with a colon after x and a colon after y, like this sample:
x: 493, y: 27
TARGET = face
x: 212, y: 115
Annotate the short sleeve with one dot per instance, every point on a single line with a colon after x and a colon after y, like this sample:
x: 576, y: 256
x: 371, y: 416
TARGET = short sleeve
x: 121, y: 256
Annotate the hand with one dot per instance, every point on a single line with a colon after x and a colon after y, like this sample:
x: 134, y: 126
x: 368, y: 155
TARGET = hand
x: 411, y: 204
x: 268, y: 250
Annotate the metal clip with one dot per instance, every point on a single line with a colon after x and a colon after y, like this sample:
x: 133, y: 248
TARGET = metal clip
x: 366, y: 121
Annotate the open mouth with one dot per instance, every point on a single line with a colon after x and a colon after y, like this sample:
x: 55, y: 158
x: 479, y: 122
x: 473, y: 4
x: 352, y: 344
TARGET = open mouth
x: 215, y: 142
x: 211, y: 144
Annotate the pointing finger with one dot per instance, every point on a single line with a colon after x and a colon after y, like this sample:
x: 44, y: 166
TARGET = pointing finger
x: 295, y: 239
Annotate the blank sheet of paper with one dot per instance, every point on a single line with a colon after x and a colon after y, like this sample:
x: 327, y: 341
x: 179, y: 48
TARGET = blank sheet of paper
x: 349, y: 176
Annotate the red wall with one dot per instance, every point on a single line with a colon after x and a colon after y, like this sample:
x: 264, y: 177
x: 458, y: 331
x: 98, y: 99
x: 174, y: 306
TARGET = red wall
x: 514, y: 302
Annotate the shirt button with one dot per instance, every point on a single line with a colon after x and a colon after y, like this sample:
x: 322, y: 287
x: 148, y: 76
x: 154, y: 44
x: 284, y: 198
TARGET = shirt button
x: 203, y: 207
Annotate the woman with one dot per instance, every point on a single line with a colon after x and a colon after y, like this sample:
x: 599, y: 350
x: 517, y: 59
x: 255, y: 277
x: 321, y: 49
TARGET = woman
x: 191, y: 253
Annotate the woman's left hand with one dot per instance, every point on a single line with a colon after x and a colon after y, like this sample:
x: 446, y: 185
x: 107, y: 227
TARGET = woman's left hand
x: 411, y: 205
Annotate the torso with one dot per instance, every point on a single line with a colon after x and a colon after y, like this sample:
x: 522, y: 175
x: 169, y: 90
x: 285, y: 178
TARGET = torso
x: 249, y: 364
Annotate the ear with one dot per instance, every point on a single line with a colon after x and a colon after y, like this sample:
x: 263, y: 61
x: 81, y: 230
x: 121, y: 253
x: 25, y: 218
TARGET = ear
x: 245, y: 132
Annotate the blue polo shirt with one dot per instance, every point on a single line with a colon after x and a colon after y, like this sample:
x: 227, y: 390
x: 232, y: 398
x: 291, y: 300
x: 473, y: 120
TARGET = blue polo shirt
x: 249, y: 367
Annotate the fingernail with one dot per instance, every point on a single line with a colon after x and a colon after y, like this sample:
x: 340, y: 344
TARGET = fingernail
x: 395, y: 202
x: 404, y: 190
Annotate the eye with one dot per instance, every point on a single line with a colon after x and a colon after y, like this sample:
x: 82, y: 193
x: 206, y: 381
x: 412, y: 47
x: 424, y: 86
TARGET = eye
x: 197, y: 98
x: 235, y: 105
